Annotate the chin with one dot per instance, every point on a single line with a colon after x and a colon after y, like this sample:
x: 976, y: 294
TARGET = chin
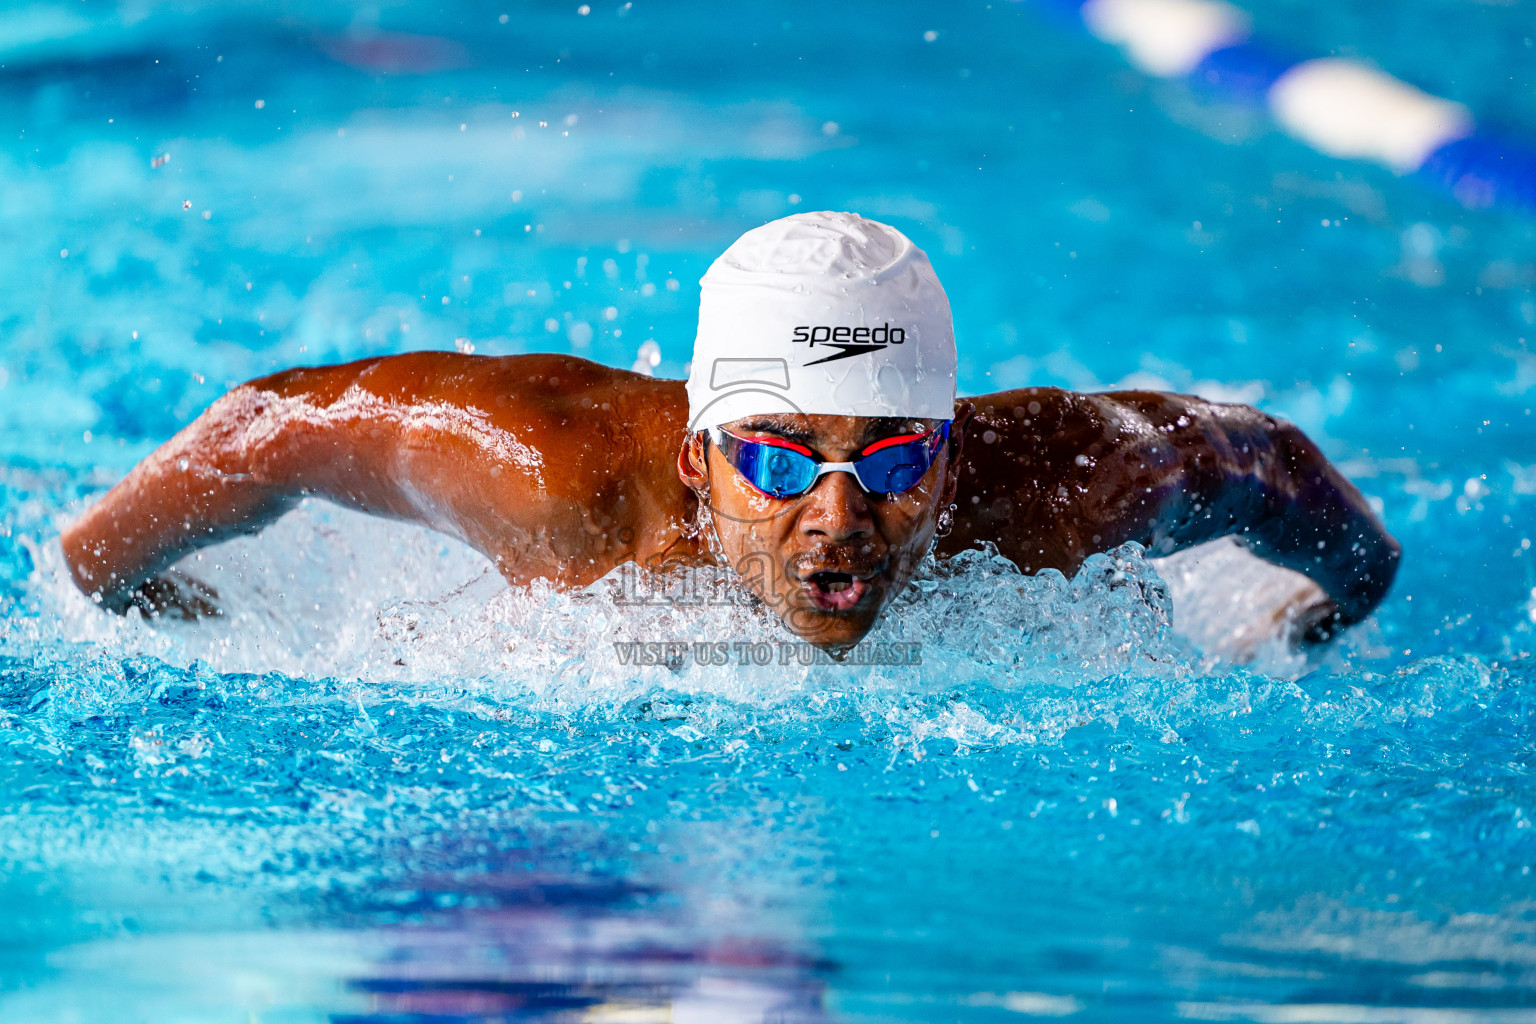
x: 833, y: 632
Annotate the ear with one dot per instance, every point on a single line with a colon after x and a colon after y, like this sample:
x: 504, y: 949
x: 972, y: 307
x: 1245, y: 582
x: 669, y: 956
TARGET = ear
x: 693, y: 463
x: 963, y: 411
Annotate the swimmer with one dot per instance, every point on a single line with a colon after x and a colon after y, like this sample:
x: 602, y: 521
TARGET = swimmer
x: 817, y: 448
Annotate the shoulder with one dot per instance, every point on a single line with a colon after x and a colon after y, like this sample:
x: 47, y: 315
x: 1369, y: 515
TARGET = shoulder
x: 1093, y: 423
x: 1042, y: 425
x: 534, y: 391
x: 547, y: 378
x: 1081, y: 455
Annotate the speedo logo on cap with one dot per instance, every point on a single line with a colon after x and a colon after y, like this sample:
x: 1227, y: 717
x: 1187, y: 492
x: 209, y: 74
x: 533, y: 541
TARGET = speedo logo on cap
x: 849, y: 341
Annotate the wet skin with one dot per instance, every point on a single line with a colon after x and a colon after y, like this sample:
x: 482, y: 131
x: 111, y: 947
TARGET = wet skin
x: 559, y: 468
x: 828, y: 561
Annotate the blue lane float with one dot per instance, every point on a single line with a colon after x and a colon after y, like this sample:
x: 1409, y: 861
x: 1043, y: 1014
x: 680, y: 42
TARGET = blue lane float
x: 1343, y: 108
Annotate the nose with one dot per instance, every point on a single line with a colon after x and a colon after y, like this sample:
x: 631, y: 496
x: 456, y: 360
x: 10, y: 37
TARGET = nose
x: 837, y: 510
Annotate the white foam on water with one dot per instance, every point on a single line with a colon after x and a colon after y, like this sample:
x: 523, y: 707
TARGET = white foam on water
x: 1236, y: 607
x: 328, y: 593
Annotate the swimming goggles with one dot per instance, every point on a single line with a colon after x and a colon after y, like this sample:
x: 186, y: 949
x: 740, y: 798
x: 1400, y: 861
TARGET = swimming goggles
x: 785, y: 469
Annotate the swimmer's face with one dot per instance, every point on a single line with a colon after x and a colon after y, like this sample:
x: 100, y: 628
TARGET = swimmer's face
x: 827, y: 562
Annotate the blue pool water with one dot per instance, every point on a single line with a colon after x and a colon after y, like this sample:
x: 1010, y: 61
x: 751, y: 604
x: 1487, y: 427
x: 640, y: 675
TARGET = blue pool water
x: 385, y: 788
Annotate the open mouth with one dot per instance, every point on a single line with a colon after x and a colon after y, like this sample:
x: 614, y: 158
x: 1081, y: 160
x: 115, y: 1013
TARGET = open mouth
x: 833, y: 591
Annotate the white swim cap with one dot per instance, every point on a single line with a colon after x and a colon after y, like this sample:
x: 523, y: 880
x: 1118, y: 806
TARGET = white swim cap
x: 822, y: 313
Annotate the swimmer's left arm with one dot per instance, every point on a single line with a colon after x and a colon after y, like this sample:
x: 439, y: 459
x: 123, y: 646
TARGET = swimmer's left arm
x: 1309, y: 517
x: 1090, y: 472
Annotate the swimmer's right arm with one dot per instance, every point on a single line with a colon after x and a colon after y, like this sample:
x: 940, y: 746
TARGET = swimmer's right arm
x: 235, y: 469
x: 194, y: 490
x: 484, y: 449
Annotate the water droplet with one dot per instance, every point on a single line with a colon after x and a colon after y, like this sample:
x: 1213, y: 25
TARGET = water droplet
x: 647, y: 358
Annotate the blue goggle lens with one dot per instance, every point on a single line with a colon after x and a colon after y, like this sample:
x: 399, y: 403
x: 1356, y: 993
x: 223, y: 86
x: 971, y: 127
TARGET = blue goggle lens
x: 777, y: 472
x: 896, y: 469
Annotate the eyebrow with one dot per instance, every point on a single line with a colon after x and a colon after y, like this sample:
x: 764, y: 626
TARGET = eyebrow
x: 778, y: 428
x: 882, y: 427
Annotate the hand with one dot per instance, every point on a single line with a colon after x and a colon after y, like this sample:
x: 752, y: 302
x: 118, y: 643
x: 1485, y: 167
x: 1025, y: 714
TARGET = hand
x: 1316, y: 623
x: 1307, y: 617
x: 175, y: 595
